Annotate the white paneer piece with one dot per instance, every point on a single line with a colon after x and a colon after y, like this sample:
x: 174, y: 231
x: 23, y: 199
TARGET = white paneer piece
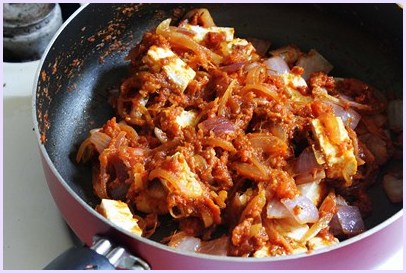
x: 177, y: 70
x: 299, y: 249
x: 292, y: 229
x: 186, y: 118
x: 335, y: 146
x: 119, y: 213
x: 292, y: 82
x: 228, y: 46
x: 186, y: 183
x: 201, y: 32
x: 318, y: 242
x: 263, y: 252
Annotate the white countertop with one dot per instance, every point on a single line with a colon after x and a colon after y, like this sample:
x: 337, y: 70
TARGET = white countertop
x: 33, y: 230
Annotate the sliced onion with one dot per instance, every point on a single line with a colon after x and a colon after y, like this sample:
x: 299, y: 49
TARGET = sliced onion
x: 261, y: 46
x: 251, y: 171
x: 184, y: 242
x: 100, y: 140
x: 395, y: 115
x: 217, y: 247
x: 276, y: 65
x: 322, y: 223
x: 232, y: 67
x: 340, y: 201
x: 289, y: 53
x: 302, y: 209
x: 268, y: 143
x: 347, y: 221
x: 183, y: 30
x: 349, y: 116
x: 313, y: 62
x: 341, y: 107
x: 376, y: 103
x: 335, y: 227
x: 204, y: 17
x: 219, y: 142
x: 250, y: 66
x: 316, y: 176
x: 181, y: 40
x: 276, y: 210
x: 307, y: 168
x: 161, y: 135
x: 345, y: 97
x: 218, y: 125
x: 311, y: 190
x: 348, y: 101
x: 279, y: 131
x: 306, y: 162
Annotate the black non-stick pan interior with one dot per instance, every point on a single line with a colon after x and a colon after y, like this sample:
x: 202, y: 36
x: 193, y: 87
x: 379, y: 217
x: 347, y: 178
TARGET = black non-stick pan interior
x: 87, y: 61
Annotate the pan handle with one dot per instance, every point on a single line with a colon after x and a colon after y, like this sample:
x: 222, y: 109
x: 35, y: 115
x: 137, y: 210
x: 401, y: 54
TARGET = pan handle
x: 100, y: 256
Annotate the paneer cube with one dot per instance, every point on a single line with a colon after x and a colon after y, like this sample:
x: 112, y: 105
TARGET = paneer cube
x: 227, y: 47
x: 334, y: 147
x: 293, y: 82
x: 318, y: 242
x: 177, y: 71
x: 268, y: 250
x: 119, y: 213
x: 184, y: 185
x: 262, y: 252
x: 201, y: 32
x: 185, y: 181
x: 186, y: 118
x: 290, y: 228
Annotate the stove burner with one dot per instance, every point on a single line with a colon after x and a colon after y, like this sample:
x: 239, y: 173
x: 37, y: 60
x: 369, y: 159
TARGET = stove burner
x: 27, y: 30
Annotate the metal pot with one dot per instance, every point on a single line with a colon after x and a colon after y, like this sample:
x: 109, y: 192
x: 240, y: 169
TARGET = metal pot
x: 86, y: 59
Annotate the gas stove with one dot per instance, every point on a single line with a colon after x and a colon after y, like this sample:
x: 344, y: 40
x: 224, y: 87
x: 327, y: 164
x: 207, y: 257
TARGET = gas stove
x: 34, y: 231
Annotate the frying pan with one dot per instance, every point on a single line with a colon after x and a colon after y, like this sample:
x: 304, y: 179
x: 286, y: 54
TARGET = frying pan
x: 86, y: 61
